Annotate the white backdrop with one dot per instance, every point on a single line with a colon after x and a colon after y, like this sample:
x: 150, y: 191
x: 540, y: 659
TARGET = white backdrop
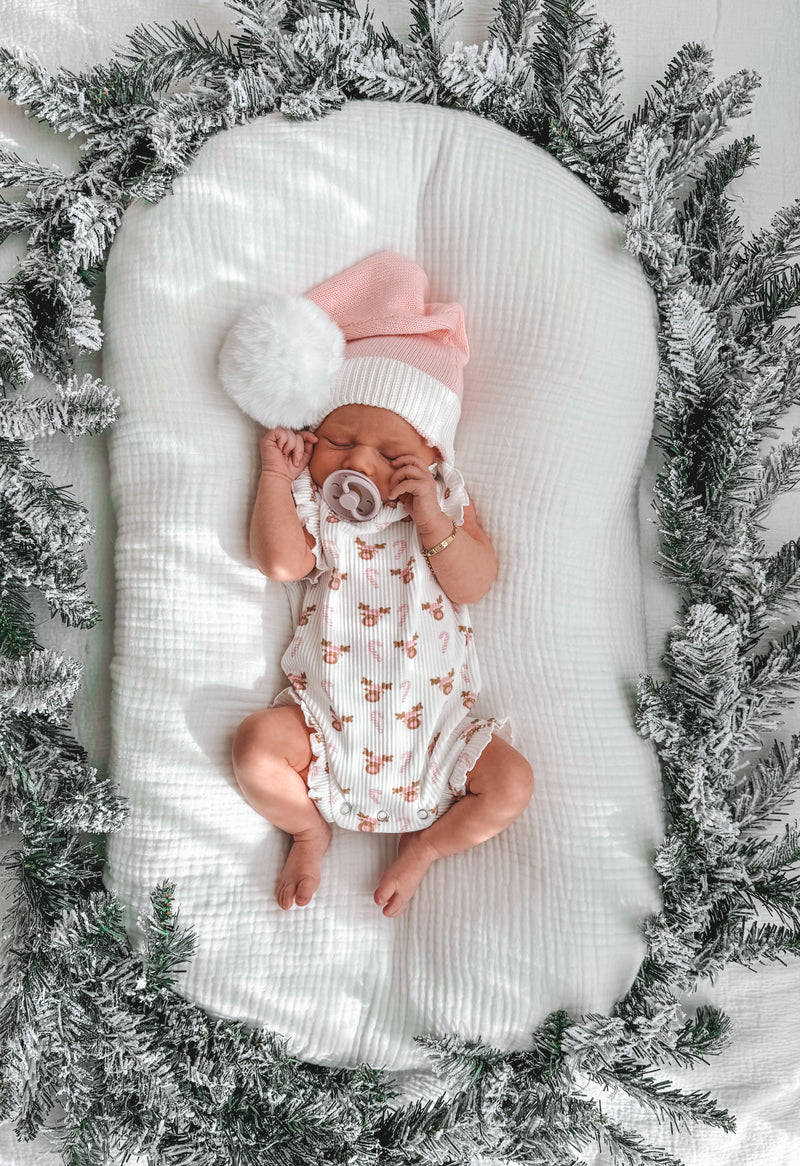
x: 758, y: 1078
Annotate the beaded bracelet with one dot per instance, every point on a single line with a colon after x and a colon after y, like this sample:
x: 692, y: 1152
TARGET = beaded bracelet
x: 440, y: 546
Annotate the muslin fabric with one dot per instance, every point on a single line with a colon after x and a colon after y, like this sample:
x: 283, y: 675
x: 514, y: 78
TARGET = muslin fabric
x: 556, y: 419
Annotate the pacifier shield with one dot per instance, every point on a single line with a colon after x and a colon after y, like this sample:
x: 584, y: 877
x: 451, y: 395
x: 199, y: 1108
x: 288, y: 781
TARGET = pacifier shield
x: 351, y: 495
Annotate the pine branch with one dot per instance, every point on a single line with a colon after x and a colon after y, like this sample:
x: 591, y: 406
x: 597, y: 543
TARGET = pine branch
x: 687, y: 76
x: 179, y: 51
x: 493, y: 82
x: 79, y: 407
x: 708, y: 222
x: 782, y: 578
x: 766, y: 942
x: 43, y: 682
x: 768, y: 785
x: 17, y: 627
x: 167, y: 946
x: 430, y: 29
x: 558, y: 56
x: 515, y: 24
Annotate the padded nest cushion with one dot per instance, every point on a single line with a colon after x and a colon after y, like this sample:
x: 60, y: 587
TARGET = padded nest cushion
x: 557, y: 416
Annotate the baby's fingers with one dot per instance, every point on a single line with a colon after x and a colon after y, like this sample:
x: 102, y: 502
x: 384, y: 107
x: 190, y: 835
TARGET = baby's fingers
x: 293, y: 447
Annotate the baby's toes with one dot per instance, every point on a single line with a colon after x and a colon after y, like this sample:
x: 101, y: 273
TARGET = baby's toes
x: 396, y: 906
x: 385, y: 891
x: 284, y: 895
x: 305, y: 890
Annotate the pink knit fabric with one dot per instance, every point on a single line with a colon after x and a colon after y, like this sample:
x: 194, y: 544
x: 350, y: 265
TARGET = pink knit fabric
x: 380, y: 306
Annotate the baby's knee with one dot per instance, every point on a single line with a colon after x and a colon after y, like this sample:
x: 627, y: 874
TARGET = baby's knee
x: 249, y: 743
x: 520, y: 781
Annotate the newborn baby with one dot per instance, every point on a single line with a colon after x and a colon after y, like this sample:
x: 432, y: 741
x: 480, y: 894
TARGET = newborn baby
x: 376, y: 732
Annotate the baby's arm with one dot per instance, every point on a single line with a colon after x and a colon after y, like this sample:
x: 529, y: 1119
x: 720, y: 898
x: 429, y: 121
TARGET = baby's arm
x: 467, y: 567
x: 279, y: 545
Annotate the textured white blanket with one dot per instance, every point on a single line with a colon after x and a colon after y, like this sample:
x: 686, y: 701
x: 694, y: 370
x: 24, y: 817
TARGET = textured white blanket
x: 557, y: 415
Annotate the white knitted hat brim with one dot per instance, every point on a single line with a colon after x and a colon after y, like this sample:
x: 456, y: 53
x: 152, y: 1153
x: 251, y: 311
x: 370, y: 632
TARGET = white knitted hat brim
x: 430, y: 406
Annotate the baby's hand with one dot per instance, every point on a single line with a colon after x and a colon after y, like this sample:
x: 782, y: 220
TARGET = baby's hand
x: 286, y: 453
x: 413, y: 484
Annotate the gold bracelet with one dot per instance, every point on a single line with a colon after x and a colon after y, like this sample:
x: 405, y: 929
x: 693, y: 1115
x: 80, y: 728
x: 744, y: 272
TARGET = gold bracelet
x: 440, y: 546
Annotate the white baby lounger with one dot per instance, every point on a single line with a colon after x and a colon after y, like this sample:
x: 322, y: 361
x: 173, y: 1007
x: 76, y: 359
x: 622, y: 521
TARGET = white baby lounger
x: 556, y: 420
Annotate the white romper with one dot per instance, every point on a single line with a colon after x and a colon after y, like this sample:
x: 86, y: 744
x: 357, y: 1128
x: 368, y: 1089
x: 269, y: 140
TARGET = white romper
x: 383, y: 666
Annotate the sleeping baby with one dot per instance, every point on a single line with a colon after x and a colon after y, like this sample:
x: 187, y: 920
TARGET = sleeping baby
x: 359, y: 383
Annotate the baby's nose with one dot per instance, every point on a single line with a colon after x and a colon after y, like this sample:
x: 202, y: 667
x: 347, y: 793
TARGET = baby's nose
x: 361, y: 458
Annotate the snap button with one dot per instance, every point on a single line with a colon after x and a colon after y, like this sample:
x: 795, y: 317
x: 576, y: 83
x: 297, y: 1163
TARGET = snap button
x: 345, y: 808
x: 422, y: 813
x: 382, y: 816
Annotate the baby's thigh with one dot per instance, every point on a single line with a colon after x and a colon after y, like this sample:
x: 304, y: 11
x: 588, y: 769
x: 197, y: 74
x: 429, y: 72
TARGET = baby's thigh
x: 502, y: 771
x: 273, y: 735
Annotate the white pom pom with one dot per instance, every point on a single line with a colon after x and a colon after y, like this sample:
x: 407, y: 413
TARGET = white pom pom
x: 279, y: 362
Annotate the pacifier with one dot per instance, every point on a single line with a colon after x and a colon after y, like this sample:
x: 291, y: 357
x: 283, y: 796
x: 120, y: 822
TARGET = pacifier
x: 351, y: 495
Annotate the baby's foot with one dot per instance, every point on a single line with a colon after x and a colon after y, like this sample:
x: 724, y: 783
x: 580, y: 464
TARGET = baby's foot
x: 401, y: 879
x: 300, y: 875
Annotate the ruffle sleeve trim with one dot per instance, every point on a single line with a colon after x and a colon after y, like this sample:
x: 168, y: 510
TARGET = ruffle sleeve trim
x: 306, y: 500
x: 453, y: 497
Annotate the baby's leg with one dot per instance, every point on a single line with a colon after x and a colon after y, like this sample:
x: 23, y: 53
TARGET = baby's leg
x: 271, y: 756
x: 499, y: 787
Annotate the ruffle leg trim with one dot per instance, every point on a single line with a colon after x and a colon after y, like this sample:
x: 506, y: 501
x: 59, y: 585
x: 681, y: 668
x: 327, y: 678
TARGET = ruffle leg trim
x: 477, y: 735
x: 320, y: 787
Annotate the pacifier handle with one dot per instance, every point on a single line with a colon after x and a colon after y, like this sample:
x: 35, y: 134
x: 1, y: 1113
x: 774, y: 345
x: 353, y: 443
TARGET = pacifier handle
x: 351, y: 495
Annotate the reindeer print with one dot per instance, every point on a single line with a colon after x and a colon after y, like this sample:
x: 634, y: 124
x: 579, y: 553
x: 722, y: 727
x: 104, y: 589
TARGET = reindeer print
x: 409, y: 793
x: 435, y: 607
x: 413, y: 718
x: 367, y: 550
x: 406, y: 573
x: 333, y: 651
x: 375, y: 761
x: 336, y: 579
x: 408, y: 646
x: 366, y: 649
x: 373, y: 690
x: 338, y: 722
x: 444, y: 683
x: 371, y: 615
x: 466, y: 735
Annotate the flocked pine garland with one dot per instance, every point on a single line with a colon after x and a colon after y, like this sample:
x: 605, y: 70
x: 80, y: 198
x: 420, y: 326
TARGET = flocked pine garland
x: 91, y: 1026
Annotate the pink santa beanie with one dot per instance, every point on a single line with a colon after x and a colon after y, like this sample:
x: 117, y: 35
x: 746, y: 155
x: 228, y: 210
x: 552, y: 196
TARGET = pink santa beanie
x: 366, y: 336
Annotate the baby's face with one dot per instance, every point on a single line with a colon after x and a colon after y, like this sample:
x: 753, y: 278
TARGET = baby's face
x: 366, y: 439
